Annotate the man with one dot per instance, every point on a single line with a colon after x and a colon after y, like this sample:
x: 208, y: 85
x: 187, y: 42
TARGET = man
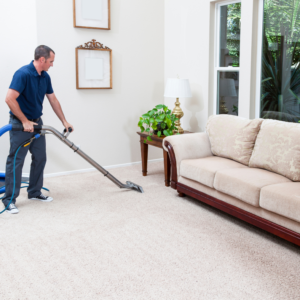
x: 25, y: 99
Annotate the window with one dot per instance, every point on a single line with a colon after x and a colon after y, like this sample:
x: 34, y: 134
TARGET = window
x: 227, y: 61
x: 279, y: 93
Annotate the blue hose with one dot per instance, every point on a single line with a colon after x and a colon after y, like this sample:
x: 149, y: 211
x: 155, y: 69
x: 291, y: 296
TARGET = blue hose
x: 2, y: 175
x: 22, y: 187
x: 5, y: 129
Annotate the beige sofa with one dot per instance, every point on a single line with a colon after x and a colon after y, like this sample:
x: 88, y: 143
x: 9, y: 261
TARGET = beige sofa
x: 247, y: 168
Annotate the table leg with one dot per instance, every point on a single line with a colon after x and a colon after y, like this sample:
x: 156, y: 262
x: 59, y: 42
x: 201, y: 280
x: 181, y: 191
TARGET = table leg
x: 144, y: 153
x: 167, y: 167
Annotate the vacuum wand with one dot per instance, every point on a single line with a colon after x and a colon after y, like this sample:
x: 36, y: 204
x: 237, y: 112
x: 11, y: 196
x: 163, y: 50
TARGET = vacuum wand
x: 63, y: 137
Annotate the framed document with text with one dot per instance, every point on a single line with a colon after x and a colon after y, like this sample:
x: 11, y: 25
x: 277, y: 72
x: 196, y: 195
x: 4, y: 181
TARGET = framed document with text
x: 93, y: 66
x: 94, y: 14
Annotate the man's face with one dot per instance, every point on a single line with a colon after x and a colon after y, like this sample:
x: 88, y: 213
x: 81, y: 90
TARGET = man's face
x: 49, y: 62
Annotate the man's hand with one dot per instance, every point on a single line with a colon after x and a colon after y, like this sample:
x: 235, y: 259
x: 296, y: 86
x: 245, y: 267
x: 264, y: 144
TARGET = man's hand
x: 57, y: 109
x: 28, y: 126
x: 68, y: 125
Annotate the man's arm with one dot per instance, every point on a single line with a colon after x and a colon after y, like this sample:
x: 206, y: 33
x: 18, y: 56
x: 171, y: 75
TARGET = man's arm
x: 58, y: 110
x: 11, y: 101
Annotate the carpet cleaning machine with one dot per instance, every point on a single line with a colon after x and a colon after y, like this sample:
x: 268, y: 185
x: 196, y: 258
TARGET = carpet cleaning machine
x: 42, y: 130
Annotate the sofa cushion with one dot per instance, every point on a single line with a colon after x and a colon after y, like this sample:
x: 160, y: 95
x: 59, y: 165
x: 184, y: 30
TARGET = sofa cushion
x: 203, y: 170
x: 232, y: 137
x: 277, y: 149
x: 282, y: 199
x: 245, y: 184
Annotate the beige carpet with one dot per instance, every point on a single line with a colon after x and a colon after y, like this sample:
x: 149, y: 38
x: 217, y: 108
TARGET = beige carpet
x: 95, y: 241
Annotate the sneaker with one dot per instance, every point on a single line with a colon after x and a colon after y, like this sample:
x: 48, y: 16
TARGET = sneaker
x: 42, y: 198
x: 12, y: 209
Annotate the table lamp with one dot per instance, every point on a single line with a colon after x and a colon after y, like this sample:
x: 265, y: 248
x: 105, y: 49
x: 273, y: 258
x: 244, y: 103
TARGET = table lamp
x: 178, y: 88
x: 227, y: 89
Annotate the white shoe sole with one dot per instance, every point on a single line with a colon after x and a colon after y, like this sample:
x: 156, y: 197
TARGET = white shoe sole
x: 13, y: 211
x: 48, y: 200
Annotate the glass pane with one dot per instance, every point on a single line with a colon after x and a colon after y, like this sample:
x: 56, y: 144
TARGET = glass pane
x: 230, y: 31
x: 280, y: 79
x: 228, y: 93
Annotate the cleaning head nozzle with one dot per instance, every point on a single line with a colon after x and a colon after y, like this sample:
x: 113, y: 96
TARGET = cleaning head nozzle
x: 134, y: 186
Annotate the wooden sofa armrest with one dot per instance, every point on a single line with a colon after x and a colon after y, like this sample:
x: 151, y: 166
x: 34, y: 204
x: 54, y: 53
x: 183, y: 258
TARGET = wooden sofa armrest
x: 187, y: 146
x: 174, y: 178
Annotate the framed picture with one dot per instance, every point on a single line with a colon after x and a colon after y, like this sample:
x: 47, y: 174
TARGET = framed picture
x: 93, y: 66
x: 94, y: 14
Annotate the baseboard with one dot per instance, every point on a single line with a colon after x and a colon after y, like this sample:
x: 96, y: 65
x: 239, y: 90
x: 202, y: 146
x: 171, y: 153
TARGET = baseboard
x: 91, y: 169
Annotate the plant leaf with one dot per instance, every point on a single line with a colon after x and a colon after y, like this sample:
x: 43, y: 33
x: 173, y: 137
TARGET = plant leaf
x: 166, y: 133
x: 267, y: 79
x: 169, y: 122
x: 159, y: 106
x: 295, y: 95
x: 146, y: 116
x: 159, y: 133
x: 149, y: 138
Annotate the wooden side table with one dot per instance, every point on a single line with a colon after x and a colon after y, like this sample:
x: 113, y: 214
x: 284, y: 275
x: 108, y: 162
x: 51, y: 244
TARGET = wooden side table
x: 156, y: 142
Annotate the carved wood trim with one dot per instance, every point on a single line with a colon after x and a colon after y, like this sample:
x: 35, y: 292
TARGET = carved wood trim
x: 257, y: 221
x: 93, y: 45
x: 173, y: 164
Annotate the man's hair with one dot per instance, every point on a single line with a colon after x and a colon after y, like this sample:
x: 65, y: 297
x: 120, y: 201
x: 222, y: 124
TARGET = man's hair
x: 42, y: 51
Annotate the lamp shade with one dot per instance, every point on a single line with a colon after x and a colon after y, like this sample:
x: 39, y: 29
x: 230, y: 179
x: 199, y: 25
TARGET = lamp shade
x: 178, y: 88
x: 227, y: 87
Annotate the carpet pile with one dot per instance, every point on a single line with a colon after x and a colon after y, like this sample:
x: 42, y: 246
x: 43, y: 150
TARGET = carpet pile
x: 95, y: 241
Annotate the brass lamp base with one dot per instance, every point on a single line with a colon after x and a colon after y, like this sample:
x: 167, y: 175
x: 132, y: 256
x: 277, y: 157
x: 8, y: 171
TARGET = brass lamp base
x: 177, y: 111
x: 223, y: 110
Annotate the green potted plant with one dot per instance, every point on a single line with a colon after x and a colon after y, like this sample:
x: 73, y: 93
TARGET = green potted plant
x: 160, y: 119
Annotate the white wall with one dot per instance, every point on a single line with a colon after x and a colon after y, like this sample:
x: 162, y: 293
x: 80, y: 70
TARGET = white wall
x: 105, y: 120
x: 186, y: 55
x: 18, y: 41
x: 189, y: 53
x: 151, y: 41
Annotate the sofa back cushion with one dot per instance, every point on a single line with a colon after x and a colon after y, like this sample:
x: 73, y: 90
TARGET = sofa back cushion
x: 232, y: 137
x: 277, y: 149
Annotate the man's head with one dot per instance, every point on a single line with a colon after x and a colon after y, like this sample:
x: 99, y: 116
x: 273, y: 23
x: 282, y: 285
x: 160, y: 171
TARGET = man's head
x: 44, y: 57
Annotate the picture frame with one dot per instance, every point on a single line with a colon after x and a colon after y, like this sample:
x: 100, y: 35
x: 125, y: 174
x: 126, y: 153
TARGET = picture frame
x: 92, y: 14
x: 93, y: 66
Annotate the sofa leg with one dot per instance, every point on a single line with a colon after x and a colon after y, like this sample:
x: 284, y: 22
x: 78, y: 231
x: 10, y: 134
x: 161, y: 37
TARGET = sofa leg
x: 181, y: 194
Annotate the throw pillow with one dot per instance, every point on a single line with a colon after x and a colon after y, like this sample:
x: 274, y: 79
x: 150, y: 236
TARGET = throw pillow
x: 233, y: 137
x: 277, y: 149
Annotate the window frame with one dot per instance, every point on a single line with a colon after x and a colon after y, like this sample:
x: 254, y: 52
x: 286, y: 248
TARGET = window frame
x: 259, y: 57
x: 217, y: 54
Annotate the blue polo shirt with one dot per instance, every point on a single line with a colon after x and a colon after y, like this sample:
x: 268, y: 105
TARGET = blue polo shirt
x: 32, y: 88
